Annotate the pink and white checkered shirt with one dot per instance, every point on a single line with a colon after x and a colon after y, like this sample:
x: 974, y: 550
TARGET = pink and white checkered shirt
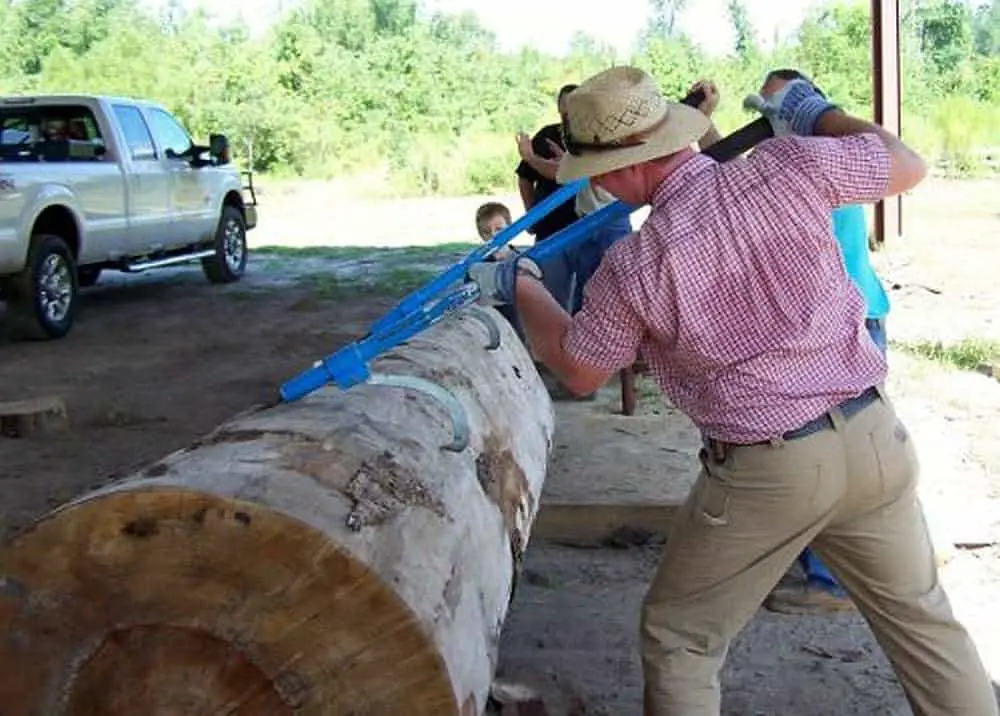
x: 734, y: 290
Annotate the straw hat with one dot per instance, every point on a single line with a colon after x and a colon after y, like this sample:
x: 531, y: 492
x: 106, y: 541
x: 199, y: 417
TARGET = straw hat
x: 619, y: 118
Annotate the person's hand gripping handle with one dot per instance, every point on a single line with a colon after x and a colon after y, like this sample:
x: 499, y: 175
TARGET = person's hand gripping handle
x: 497, y: 279
x: 794, y: 109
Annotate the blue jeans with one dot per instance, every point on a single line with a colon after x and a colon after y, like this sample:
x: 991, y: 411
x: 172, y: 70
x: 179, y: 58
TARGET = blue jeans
x: 557, y: 277
x: 816, y: 572
x: 586, y: 257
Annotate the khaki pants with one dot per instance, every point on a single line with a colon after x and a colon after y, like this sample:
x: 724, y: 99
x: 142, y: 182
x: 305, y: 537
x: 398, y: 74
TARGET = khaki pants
x: 849, y: 491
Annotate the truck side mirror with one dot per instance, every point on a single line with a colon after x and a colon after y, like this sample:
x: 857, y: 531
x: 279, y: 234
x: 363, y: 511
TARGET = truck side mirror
x: 218, y: 147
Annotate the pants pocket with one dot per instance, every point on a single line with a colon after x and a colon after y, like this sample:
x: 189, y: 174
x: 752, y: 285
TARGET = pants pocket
x: 712, y: 503
x: 895, y: 458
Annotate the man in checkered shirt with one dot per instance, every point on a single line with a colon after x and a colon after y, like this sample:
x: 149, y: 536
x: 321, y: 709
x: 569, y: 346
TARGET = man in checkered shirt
x: 736, y: 297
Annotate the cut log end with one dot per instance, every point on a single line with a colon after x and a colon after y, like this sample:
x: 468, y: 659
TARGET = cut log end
x: 22, y: 418
x: 285, y: 621
x: 163, y: 669
x: 320, y: 557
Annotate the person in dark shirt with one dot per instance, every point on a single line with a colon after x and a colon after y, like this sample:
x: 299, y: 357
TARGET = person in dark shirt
x: 534, y: 187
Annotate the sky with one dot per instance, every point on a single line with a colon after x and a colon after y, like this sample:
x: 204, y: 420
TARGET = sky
x: 549, y: 24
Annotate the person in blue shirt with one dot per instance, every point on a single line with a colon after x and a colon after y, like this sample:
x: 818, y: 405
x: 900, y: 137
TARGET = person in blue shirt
x: 822, y: 591
x: 851, y: 229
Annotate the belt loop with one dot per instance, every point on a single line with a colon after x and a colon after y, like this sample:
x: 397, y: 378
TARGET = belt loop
x: 717, y: 450
x: 837, y: 418
x: 880, y: 389
x: 777, y: 442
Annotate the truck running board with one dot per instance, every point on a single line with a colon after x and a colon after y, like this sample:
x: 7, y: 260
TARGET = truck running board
x: 167, y: 261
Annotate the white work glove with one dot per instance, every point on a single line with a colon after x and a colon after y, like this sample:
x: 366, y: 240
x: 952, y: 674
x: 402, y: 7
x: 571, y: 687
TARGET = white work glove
x: 497, y: 279
x: 756, y: 103
x: 794, y: 109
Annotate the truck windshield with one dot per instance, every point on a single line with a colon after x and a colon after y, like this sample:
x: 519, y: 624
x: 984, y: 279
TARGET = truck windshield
x: 49, y: 133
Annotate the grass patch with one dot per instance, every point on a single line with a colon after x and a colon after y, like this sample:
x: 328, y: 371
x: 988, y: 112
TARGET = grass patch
x: 966, y: 354
x: 393, y: 282
x: 358, y: 252
x: 310, y: 252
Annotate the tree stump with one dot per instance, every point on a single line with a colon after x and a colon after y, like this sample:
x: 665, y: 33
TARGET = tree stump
x: 21, y: 418
x: 320, y: 557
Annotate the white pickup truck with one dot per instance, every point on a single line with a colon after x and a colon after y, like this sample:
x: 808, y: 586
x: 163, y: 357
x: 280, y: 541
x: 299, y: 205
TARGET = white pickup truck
x: 89, y: 183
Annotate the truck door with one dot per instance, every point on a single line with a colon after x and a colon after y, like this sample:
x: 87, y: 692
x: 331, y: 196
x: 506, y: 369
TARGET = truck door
x: 148, y: 184
x: 195, y: 217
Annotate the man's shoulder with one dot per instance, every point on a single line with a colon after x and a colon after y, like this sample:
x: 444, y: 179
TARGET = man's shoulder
x: 795, y: 147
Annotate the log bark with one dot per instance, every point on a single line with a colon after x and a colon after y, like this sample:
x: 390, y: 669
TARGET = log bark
x: 319, y: 557
x: 21, y: 418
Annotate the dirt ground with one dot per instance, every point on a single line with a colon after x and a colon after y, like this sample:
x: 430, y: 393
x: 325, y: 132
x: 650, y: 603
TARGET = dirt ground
x: 154, y: 362
x: 160, y: 359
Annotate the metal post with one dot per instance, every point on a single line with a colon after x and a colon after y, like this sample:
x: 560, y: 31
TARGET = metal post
x: 887, y: 95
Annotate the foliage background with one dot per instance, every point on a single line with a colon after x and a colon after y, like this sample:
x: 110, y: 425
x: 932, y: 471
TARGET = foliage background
x: 343, y: 86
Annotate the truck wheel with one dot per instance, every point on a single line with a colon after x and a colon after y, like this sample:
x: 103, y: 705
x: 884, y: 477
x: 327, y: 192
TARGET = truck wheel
x: 43, y: 297
x: 87, y: 276
x: 230, y: 259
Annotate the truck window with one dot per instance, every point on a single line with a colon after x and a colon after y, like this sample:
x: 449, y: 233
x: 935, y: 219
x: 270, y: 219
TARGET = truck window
x: 49, y: 132
x: 137, y: 136
x: 169, y: 133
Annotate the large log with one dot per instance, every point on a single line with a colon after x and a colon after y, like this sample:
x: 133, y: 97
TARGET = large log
x: 321, y: 557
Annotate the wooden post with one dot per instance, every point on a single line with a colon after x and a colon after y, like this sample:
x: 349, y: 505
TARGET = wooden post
x: 627, y: 378
x: 325, y: 556
x: 888, y: 102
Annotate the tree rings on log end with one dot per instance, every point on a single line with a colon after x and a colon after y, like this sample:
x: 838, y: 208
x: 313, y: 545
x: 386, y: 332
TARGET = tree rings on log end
x: 167, y: 601
x: 170, y: 670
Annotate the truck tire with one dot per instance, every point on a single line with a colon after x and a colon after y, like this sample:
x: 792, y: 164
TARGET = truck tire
x: 87, y: 276
x: 43, y: 298
x: 230, y: 259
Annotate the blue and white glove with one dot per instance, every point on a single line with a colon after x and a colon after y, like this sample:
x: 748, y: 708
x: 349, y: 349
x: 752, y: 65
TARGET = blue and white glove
x: 497, y: 279
x: 794, y: 109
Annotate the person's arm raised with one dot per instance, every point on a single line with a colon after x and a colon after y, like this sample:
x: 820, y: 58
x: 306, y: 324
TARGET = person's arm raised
x: 907, y: 168
x: 849, y: 159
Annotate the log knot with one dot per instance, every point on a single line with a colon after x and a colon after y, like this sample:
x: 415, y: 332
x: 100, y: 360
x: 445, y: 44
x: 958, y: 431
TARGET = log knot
x: 504, y: 481
x: 382, y: 487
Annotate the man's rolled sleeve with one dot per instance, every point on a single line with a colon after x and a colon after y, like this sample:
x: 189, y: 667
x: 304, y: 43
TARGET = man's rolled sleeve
x: 852, y: 169
x: 606, y: 333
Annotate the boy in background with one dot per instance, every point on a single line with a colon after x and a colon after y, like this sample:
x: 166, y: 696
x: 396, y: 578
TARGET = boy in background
x: 492, y: 218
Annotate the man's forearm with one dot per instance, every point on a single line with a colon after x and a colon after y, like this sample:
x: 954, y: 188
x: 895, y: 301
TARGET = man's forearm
x: 545, y: 324
x: 546, y: 167
x: 527, y: 191
x: 908, y: 167
x: 545, y: 321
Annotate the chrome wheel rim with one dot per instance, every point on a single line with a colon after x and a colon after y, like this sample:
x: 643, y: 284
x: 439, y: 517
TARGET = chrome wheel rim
x: 232, y: 245
x: 55, y: 288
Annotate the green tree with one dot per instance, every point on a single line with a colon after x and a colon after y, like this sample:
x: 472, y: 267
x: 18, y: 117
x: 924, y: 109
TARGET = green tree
x: 834, y: 47
x: 338, y: 86
x: 746, y: 45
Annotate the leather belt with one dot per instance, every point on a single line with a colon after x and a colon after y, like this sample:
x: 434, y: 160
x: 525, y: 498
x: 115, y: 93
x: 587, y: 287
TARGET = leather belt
x: 718, y: 449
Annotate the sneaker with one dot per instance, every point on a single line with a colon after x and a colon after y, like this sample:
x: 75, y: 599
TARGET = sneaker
x: 807, y: 598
